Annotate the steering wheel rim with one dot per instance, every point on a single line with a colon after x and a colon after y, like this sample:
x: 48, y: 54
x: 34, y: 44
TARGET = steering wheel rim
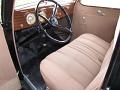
x: 68, y: 30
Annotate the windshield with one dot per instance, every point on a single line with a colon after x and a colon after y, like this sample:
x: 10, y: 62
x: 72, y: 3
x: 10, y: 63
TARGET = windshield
x: 23, y: 4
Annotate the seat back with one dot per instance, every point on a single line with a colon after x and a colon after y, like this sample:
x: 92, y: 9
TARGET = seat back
x: 98, y: 80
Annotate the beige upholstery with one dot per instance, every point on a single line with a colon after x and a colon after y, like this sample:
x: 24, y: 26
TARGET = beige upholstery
x: 13, y: 84
x: 77, y: 65
x: 94, y: 20
x: 8, y: 75
x: 97, y: 82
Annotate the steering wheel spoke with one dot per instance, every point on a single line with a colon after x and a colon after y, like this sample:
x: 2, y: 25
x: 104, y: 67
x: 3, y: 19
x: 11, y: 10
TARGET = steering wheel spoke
x: 54, y: 10
x: 40, y: 16
x: 64, y: 29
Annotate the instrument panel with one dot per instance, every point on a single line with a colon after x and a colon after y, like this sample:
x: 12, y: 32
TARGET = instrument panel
x: 26, y: 18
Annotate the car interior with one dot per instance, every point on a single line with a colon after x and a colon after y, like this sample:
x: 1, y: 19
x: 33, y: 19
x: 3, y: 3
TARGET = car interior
x: 61, y: 45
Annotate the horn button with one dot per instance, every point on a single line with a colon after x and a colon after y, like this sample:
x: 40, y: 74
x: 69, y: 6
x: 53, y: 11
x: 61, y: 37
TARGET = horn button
x: 54, y: 21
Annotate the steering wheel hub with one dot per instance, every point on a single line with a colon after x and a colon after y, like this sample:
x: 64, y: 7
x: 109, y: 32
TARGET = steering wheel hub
x: 54, y: 21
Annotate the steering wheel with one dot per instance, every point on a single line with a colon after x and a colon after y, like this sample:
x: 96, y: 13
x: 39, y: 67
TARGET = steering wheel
x: 52, y: 23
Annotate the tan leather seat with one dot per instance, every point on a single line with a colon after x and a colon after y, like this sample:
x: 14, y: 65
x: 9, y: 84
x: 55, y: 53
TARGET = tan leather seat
x: 77, y: 66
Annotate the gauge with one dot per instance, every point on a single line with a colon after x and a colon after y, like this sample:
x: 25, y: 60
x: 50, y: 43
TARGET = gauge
x: 42, y: 13
x: 31, y: 19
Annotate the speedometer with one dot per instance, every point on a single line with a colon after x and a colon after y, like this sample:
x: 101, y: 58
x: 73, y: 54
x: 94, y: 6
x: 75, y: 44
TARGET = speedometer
x: 31, y: 19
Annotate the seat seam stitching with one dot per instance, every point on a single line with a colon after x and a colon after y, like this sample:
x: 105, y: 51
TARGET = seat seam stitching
x: 68, y: 73
x: 78, y: 63
x: 85, y: 55
x: 96, y: 38
x: 99, y: 56
x: 94, y: 42
x: 89, y: 47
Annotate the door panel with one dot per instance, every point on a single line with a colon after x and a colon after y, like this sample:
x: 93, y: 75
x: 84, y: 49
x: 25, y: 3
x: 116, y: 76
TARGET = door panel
x: 8, y: 76
x: 99, y: 21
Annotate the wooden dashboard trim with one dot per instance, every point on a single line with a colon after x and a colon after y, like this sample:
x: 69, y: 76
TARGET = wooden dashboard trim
x: 20, y: 16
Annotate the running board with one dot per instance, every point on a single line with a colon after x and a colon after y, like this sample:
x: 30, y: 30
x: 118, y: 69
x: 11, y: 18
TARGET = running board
x: 29, y: 82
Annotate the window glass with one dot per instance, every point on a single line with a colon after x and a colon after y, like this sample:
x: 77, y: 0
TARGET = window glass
x: 23, y: 4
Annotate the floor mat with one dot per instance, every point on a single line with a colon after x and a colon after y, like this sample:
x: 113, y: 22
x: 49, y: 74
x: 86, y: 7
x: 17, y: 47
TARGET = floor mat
x: 33, y: 74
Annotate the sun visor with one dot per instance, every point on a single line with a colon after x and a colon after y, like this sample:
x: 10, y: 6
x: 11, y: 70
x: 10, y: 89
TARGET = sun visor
x: 102, y: 3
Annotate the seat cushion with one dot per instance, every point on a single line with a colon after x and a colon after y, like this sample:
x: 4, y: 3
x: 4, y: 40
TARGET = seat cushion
x: 93, y: 43
x: 75, y: 65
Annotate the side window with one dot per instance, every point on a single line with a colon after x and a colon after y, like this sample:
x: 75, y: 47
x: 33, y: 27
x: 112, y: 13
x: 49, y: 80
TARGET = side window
x: 22, y: 4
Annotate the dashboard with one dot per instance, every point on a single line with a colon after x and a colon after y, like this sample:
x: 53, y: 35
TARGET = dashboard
x: 25, y: 18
